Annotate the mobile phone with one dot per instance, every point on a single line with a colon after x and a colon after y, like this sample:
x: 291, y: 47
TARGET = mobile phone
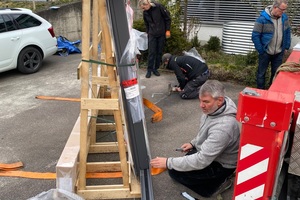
x: 178, y: 149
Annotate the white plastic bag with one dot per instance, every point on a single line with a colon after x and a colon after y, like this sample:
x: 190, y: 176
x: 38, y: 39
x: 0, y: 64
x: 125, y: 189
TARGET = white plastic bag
x: 194, y: 53
x: 56, y: 194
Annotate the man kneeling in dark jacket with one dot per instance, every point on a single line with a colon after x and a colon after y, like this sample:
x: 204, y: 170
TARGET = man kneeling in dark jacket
x: 190, y: 72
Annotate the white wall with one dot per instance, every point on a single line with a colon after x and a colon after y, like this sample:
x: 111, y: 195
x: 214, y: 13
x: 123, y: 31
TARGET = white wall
x: 205, y: 32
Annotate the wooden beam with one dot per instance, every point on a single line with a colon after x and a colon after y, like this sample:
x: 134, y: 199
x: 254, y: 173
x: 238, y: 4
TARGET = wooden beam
x: 100, y: 80
x: 104, y: 166
x: 109, y: 193
x: 108, y: 147
x: 106, y: 112
x: 106, y: 126
x: 100, y: 104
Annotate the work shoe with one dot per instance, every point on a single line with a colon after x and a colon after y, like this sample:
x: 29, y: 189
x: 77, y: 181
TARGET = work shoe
x: 148, y: 75
x: 156, y: 73
x: 223, y: 187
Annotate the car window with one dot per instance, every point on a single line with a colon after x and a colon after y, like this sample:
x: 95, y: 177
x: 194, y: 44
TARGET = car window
x: 2, y: 25
x: 26, y: 21
x: 10, y: 26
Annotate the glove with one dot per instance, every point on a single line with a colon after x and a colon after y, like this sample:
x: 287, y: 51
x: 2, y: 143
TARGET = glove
x: 168, y: 34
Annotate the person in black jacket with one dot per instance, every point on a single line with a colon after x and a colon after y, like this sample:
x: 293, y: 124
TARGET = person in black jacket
x: 190, y: 72
x: 158, y: 22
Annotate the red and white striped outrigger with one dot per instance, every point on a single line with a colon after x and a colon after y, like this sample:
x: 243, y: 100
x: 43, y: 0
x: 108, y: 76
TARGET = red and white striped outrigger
x: 268, y: 118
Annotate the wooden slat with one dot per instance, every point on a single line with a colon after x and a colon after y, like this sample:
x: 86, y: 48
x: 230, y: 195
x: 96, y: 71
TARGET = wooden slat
x: 102, y: 192
x: 104, y: 166
x: 112, y: 147
x: 106, y: 112
x: 106, y: 126
x: 100, y: 80
x: 104, y: 104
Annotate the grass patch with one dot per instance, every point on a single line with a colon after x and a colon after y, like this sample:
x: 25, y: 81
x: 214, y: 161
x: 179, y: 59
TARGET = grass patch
x: 39, y: 5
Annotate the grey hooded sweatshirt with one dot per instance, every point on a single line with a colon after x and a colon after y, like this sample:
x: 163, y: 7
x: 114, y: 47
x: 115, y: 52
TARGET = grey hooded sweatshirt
x: 274, y: 47
x: 217, y: 140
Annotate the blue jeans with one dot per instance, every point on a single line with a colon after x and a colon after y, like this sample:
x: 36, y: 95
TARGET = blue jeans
x: 263, y: 63
x: 204, y: 182
x: 155, y: 50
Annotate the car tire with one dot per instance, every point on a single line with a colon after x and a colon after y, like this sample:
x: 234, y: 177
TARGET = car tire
x: 29, y: 60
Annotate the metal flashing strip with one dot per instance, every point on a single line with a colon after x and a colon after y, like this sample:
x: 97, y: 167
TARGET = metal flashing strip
x: 134, y: 116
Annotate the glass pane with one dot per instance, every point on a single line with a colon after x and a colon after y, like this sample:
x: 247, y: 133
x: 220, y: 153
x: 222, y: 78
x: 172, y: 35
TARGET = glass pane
x: 25, y: 21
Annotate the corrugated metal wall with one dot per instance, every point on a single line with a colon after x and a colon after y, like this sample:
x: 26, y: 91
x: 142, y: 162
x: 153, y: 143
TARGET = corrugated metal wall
x: 236, y: 38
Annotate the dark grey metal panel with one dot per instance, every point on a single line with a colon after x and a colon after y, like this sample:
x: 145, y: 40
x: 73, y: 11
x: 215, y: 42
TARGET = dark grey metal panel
x: 136, y: 130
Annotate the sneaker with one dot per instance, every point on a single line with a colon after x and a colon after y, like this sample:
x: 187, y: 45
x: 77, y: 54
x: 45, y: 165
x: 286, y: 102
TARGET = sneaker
x: 223, y: 187
x: 156, y: 73
x: 148, y: 75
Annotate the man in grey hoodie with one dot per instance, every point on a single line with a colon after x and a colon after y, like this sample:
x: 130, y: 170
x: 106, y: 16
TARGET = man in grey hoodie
x: 211, y: 157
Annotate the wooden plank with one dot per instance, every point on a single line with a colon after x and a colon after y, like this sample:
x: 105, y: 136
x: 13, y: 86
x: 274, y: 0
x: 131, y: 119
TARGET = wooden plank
x: 104, y: 166
x: 66, y: 168
x: 116, y: 191
x: 110, y: 193
x: 84, y: 72
x: 104, y: 148
x: 106, y: 126
x: 106, y: 112
x: 135, y: 186
x: 101, y: 104
x: 100, y: 80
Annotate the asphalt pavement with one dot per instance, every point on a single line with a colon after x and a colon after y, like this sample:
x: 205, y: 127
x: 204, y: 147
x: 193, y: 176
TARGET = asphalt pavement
x: 34, y: 131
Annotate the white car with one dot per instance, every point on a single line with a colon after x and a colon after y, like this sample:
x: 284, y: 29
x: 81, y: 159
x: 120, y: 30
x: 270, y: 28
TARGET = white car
x: 25, y: 40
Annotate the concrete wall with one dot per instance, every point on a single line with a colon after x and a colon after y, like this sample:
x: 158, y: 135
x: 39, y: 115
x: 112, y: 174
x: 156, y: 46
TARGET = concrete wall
x: 66, y: 20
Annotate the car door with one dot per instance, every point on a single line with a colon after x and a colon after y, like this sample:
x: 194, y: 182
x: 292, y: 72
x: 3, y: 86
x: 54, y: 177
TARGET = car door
x: 10, y: 41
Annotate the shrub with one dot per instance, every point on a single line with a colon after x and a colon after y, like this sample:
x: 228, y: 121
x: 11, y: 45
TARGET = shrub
x: 195, y: 42
x: 252, y: 58
x: 139, y: 25
x: 176, y: 44
x: 213, y: 44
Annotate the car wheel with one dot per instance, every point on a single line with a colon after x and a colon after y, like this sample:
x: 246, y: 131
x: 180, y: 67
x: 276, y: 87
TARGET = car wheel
x: 29, y: 60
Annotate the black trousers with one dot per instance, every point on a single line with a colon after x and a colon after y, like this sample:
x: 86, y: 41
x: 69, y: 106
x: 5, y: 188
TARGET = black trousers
x: 204, y: 182
x: 191, y: 89
x: 155, y: 50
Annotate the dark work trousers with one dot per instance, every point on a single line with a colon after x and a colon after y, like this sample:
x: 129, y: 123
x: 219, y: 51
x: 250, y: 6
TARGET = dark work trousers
x: 155, y: 50
x: 191, y: 89
x: 263, y: 64
x: 204, y: 182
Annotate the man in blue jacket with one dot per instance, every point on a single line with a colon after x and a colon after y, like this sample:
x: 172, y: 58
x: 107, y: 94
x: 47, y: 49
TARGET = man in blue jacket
x: 158, y: 22
x: 271, y: 37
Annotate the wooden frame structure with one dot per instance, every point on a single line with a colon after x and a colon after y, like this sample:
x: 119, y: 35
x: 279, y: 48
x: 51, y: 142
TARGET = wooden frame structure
x: 101, y: 94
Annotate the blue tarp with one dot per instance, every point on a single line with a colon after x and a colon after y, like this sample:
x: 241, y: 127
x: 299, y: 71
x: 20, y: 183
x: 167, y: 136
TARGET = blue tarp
x: 66, y: 47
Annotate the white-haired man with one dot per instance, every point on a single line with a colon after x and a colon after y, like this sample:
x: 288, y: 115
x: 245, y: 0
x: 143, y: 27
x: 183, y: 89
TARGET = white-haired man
x: 158, y: 23
x: 211, y: 157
